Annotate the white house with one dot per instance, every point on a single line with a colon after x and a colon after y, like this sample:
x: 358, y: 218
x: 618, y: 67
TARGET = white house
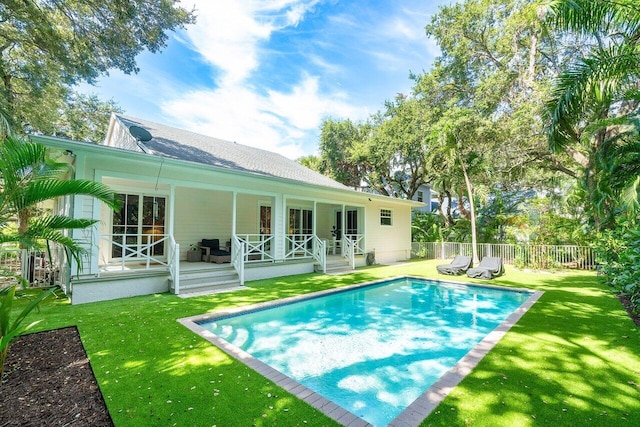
x: 274, y: 216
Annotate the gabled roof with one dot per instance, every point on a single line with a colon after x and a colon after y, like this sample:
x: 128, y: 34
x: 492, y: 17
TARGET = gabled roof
x: 180, y: 144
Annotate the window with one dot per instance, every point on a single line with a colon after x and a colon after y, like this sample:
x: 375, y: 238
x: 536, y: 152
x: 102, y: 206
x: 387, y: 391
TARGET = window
x: 139, y: 222
x: 352, y: 222
x: 419, y: 196
x: 300, y: 221
x: 385, y: 217
x: 265, y: 219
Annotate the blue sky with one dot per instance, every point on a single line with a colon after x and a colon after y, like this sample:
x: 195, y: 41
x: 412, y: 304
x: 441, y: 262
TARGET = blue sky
x: 265, y: 73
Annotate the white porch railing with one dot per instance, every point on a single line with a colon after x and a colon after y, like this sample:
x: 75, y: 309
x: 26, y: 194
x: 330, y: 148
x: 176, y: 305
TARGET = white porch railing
x: 299, y: 246
x: 353, y: 245
x: 526, y: 256
x: 357, y: 242
x: 238, y: 249
x: 141, y: 253
x: 320, y: 252
x: 257, y: 247
x: 174, y: 264
x: 349, y: 251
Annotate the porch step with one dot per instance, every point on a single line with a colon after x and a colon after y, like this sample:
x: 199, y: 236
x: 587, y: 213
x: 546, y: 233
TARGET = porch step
x: 335, y: 265
x: 209, y: 279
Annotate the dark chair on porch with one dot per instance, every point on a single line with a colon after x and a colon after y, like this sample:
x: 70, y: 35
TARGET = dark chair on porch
x: 211, y: 251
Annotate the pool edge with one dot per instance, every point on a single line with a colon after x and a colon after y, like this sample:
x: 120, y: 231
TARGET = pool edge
x: 421, y: 408
x: 414, y: 414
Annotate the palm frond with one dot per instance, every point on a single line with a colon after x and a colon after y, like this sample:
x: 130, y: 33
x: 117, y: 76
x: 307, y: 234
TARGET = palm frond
x: 59, y: 222
x: 630, y: 194
x: 41, y: 190
x: 592, y: 16
x: 590, y: 84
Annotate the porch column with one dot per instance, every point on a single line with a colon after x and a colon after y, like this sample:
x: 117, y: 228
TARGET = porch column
x: 80, y: 172
x: 234, y: 205
x: 314, y: 228
x: 343, y: 214
x: 172, y: 208
x: 281, y: 229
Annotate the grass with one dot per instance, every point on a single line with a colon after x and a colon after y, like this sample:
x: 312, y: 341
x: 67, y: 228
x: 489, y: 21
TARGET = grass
x: 573, y: 359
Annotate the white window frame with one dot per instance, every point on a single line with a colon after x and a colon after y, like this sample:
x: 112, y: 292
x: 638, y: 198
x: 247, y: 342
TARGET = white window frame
x: 386, y: 214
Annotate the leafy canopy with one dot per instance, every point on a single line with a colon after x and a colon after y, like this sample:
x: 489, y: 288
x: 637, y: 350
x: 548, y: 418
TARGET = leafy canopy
x: 47, y: 46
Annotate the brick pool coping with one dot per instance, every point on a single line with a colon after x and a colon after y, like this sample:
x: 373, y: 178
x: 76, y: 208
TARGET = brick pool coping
x: 413, y: 414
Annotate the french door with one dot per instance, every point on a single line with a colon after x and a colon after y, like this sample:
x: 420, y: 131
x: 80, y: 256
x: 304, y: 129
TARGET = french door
x: 300, y: 227
x: 140, y: 221
x: 352, y: 222
x: 300, y: 221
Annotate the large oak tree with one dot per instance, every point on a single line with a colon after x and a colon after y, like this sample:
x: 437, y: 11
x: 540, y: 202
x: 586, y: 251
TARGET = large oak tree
x: 47, y: 46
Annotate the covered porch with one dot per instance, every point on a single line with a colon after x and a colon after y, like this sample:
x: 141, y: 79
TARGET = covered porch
x: 160, y: 228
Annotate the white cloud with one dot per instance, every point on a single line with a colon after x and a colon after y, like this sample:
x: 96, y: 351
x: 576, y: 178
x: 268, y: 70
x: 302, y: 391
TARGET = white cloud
x: 277, y: 121
x: 249, y: 108
x: 232, y: 37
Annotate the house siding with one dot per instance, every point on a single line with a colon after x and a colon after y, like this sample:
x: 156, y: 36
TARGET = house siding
x: 391, y: 243
x: 203, y: 202
x: 201, y: 214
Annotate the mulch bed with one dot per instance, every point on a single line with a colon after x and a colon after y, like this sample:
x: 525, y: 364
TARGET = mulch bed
x: 48, y: 381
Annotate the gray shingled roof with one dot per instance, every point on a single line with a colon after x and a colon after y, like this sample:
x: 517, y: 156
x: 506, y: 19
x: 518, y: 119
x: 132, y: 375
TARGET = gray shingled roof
x: 184, y: 145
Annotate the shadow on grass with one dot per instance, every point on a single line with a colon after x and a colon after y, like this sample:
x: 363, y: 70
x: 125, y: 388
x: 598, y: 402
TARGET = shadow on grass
x: 571, y: 360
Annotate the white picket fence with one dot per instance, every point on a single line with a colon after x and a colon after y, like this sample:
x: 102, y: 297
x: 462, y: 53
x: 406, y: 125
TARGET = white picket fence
x: 34, y: 266
x: 542, y: 257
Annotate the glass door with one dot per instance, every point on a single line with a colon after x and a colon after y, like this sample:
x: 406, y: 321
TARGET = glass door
x: 300, y: 226
x: 140, y: 221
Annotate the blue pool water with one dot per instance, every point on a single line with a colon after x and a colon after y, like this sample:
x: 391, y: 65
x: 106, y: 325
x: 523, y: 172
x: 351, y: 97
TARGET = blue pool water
x: 372, y: 350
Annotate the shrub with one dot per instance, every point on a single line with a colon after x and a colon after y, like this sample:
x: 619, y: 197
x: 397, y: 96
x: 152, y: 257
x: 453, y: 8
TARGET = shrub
x: 619, y: 258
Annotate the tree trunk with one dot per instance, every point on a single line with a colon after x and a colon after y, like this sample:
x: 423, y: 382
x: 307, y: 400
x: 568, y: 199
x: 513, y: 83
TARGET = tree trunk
x: 24, y: 217
x: 474, y: 239
x: 463, y: 211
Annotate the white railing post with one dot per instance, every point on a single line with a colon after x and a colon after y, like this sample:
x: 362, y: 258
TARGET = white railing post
x: 320, y: 252
x: 238, y: 251
x: 348, y: 253
x: 175, y: 262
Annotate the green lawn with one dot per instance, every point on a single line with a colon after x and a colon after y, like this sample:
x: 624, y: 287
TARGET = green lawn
x: 573, y: 359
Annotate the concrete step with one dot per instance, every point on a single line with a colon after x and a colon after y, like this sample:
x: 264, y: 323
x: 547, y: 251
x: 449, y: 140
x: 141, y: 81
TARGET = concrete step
x: 209, y: 287
x: 208, y: 280
x: 212, y: 276
x: 335, y: 265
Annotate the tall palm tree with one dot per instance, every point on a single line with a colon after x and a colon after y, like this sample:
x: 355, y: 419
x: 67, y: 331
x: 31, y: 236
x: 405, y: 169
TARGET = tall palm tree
x: 27, y: 178
x: 598, y: 97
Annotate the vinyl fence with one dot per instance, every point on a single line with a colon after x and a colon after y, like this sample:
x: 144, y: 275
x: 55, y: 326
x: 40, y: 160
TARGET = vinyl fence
x: 34, y: 266
x: 542, y: 257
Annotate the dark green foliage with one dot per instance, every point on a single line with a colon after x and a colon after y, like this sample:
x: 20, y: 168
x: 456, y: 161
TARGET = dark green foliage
x: 47, y: 47
x: 11, y: 328
x: 426, y: 227
x: 500, y: 212
x: 619, y: 257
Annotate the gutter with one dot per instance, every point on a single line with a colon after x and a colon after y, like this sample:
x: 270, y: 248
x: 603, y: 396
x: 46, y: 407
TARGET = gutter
x: 144, y: 157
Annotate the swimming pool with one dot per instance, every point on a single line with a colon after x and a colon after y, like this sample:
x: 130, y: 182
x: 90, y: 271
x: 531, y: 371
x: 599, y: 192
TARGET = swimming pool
x: 373, y: 350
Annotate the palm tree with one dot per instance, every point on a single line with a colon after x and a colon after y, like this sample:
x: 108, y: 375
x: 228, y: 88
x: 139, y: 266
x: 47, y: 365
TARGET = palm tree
x: 27, y: 178
x: 598, y: 97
